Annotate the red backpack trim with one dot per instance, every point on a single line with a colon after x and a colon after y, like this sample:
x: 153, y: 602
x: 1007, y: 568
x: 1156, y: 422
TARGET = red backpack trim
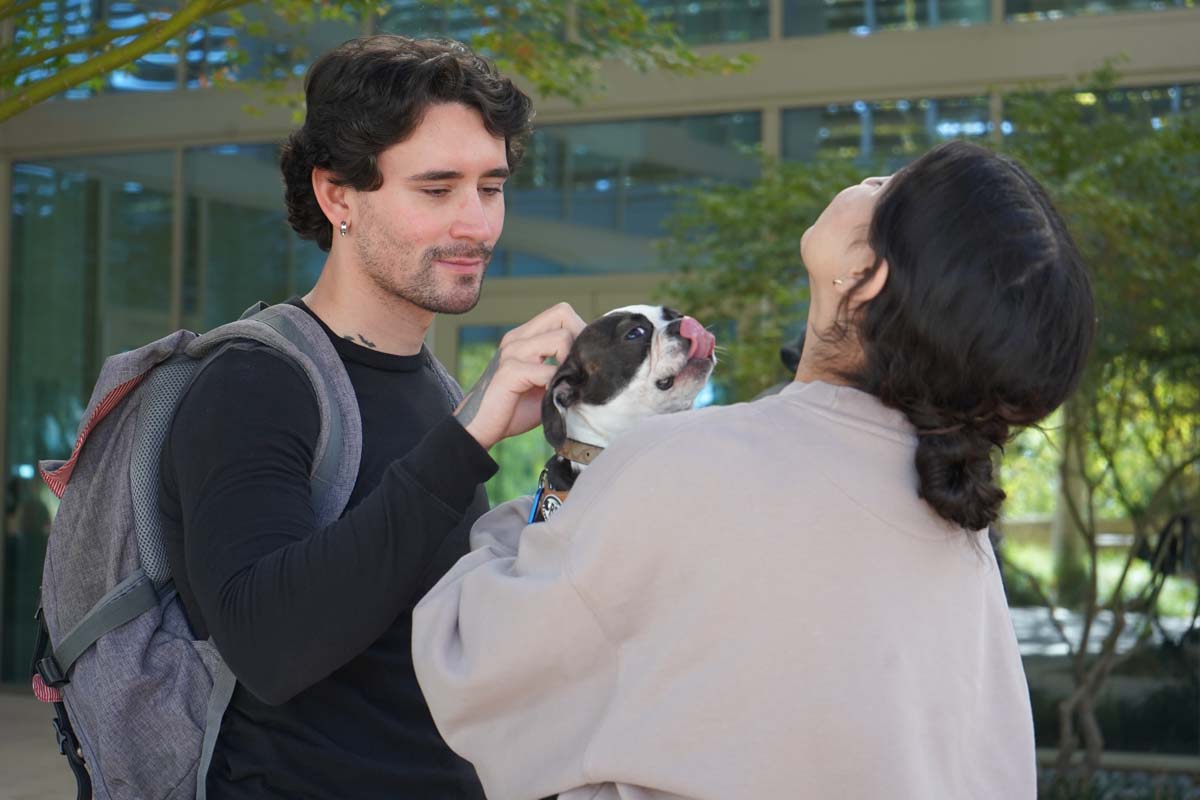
x: 59, y: 478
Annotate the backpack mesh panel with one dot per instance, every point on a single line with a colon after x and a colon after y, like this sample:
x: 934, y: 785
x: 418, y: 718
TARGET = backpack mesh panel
x: 159, y: 398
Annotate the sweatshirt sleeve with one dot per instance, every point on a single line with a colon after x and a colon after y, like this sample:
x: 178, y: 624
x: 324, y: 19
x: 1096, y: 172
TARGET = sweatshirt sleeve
x: 286, y: 602
x: 516, y: 648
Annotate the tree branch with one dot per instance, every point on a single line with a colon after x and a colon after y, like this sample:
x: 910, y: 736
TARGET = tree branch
x: 30, y: 95
x: 10, y: 8
x: 13, y: 65
x: 1176, y: 472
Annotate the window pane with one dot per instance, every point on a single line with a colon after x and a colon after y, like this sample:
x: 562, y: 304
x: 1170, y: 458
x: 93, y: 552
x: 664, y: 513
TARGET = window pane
x: 815, y: 17
x: 1154, y: 105
x: 890, y: 132
x: 1026, y: 10
x: 709, y: 21
x: 238, y: 246
x: 417, y: 19
x: 210, y: 46
x: 154, y: 72
x: 284, y: 51
x: 54, y: 24
x: 1151, y: 102
x: 590, y: 198
x: 91, y: 255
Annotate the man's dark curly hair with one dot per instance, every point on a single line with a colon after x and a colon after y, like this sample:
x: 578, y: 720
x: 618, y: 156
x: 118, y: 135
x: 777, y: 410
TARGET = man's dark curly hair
x: 370, y: 93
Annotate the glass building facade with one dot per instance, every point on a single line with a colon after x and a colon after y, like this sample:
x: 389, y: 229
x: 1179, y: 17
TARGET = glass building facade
x: 109, y: 244
x: 612, y: 184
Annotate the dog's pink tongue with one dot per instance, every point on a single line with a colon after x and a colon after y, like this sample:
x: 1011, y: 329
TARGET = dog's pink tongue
x: 703, y: 342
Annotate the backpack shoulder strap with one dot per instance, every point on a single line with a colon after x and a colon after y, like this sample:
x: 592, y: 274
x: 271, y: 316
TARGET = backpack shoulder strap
x: 224, y: 682
x: 294, y: 333
x: 454, y: 392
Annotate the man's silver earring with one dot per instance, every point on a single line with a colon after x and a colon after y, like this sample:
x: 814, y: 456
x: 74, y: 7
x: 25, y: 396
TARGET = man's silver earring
x: 836, y: 281
x: 344, y: 227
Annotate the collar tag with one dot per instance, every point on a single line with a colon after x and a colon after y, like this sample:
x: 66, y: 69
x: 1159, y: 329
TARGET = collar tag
x: 579, y: 452
x: 551, y: 502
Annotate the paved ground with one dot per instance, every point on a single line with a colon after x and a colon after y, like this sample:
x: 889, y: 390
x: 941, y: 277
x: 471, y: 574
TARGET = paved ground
x: 1038, y: 636
x: 30, y: 766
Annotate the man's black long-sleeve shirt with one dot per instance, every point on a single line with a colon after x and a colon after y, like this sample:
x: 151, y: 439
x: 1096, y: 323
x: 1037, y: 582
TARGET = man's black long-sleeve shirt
x: 316, y: 623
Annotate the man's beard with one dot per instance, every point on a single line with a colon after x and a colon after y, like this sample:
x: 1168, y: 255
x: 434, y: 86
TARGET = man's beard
x: 421, y: 286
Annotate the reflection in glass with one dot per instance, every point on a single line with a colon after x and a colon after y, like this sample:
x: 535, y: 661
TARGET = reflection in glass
x: 889, y: 133
x: 210, y: 47
x: 1149, y: 103
x: 81, y: 19
x: 1028, y: 10
x: 695, y: 21
x: 28, y: 510
x: 590, y: 198
x: 238, y: 247
x: 710, y: 21
x: 1153, y: 105
x: 417, y: 19
x: 91, y: 255
x: 861, y: 17
x: 219, y: 49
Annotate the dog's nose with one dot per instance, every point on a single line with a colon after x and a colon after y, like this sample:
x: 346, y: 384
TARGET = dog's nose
x: 703, y: 343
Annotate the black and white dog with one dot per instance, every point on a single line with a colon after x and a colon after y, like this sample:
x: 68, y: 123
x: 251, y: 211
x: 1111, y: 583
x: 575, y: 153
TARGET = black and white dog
x: 627, y: 365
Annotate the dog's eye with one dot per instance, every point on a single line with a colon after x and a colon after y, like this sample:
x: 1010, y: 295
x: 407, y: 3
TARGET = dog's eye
x: 636, y: 333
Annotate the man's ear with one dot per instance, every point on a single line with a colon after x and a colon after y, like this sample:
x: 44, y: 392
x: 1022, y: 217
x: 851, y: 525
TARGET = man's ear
x: 332, y: 198
x: 560, y: 395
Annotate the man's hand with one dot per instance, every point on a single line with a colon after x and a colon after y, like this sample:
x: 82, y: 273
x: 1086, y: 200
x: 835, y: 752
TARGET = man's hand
x: 507, y: 399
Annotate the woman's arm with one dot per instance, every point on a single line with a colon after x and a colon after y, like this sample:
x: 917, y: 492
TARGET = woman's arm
x: 517, y: 647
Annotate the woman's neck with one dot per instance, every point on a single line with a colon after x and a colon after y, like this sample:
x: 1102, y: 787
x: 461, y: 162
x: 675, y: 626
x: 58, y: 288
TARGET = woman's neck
x: 825, y: 360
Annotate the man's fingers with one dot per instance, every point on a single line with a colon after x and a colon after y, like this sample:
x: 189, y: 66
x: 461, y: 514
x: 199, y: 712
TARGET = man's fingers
x: 559, y: 316
x: 504, y: 407
x: 499, y: 404
x: 554, y: 343
x: 571, y: 320
x: 519, y: 377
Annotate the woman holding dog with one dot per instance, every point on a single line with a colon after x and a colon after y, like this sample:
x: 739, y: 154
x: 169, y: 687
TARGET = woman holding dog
x: 795, y: 597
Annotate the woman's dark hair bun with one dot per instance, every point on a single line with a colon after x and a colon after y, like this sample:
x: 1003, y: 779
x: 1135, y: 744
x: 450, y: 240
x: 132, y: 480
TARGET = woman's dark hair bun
x: 955, y: 469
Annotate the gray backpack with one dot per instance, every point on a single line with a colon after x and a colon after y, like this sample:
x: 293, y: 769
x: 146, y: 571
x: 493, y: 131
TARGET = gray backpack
x: 138, y: 700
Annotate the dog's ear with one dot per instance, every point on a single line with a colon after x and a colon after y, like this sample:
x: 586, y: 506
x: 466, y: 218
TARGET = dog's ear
x: 562, y: 392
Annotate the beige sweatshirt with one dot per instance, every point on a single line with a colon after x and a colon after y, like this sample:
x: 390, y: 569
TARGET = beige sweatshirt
x: 738, y: 602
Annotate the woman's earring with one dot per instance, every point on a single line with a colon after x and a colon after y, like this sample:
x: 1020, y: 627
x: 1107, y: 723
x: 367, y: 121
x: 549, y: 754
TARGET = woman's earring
x: 836, y: 281
x: 344, y: 227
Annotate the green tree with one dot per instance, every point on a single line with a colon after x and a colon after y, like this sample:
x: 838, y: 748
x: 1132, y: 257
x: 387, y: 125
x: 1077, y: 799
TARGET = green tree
x: 734, y: 251
x: 1130, y: 437
x: 557, y: 46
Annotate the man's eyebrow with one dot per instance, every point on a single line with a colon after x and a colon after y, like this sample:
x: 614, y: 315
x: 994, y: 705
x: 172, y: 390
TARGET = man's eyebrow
x: 454, y: 175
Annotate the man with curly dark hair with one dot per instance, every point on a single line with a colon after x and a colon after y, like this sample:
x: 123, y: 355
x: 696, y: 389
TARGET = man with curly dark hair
x: 398, y: 174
